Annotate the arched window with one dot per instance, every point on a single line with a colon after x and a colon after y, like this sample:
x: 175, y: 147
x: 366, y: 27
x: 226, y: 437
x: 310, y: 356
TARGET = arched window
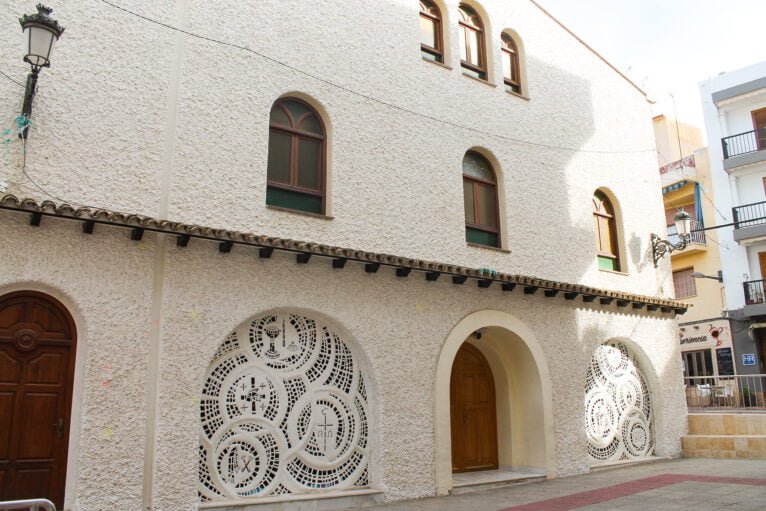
x: 605, y: 227
x: 482, y: 220
x: 473, y: 55
x: 511, y: 68
x: 296, y: 157
x: 431, y: 40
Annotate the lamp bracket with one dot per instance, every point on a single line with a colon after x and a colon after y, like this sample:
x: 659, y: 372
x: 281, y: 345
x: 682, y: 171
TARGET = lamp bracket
x: 661, y: 247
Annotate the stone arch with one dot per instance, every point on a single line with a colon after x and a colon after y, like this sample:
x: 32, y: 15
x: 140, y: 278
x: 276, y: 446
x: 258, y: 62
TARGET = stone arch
x: 522, y: 381
x: 284, y: 410
x: 619, y: 405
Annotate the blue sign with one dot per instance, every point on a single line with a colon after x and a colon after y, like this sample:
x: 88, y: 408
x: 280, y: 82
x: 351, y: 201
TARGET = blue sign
x: 748, y: 359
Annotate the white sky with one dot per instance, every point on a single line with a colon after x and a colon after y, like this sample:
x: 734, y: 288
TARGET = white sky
x: 669, y: 46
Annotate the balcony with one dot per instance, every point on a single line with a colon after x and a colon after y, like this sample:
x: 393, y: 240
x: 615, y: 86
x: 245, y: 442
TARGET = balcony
x: 755, y: 299
x: 744, y: 148
x: 749, y: 221
x: 697, y: 242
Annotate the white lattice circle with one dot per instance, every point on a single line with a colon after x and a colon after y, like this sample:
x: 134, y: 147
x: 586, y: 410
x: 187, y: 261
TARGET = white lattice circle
x: 618, y: 411
x: 283, y: 410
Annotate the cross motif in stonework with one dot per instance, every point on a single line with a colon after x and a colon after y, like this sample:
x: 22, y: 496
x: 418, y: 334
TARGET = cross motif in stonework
x: 253, y: 396
x: 326, y: 429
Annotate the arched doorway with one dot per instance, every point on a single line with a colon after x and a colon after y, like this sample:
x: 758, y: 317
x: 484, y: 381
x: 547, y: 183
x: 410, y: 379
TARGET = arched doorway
x: 37, y: 360
x: 522, y: 398
x: 473, y: 413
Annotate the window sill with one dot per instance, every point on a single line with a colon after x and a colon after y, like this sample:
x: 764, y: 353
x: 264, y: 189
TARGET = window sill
x: 520, y: 96
x: 480, y: 80
x: 299, y: 212
x: 440, y: 64
x: 496, y: 249
x: 624, y: 274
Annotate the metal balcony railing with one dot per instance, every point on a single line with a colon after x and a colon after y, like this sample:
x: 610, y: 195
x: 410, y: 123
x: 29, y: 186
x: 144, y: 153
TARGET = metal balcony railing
x: 741, y: 393
x: 743, y: 143
x: 697, y: 235
x: 754, y: 292
x: 749, y: 215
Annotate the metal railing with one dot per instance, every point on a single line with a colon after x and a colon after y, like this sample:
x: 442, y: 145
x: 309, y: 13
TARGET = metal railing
x: 743, y: 143
x: 27, y: 505
x: 697, y: 235
x: 754, y: 292
x: 741, y: 393
x: 749, y: 215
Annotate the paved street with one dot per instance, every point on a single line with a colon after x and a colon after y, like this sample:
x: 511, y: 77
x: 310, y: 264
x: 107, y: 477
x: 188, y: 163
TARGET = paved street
x: 674, y: 485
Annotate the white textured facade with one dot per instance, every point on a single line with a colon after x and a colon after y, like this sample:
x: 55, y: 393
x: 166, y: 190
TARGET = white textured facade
x: 136, y: 118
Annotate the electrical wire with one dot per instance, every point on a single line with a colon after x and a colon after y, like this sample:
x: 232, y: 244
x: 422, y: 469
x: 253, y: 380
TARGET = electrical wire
x: 362, y: 95
x: 13, y: 80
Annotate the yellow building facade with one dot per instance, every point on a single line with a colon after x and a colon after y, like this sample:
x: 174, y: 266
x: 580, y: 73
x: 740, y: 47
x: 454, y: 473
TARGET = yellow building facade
x: 705, y: 335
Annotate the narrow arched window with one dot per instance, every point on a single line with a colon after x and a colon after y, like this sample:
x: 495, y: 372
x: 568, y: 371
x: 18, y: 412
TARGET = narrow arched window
x: 605, y: 227
x: 482, y: 220
x: 431, y: 40
x: 473, y: 56
x: 511, y: 68
x: 296, y: 157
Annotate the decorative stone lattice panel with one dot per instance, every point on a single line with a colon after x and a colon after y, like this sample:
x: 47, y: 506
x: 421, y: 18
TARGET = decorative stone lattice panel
x: 618, y: 410
x: 283, y: 411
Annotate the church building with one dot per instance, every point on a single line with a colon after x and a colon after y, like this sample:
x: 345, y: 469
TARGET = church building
x: 324, y: 254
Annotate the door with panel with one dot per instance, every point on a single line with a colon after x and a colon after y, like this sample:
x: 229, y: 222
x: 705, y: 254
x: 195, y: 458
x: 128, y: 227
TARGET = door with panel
x: 37, y: 355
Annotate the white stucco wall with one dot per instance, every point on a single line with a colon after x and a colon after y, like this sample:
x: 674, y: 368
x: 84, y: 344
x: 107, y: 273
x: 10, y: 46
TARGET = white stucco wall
x: 138, y: 118
x: 397, y: 326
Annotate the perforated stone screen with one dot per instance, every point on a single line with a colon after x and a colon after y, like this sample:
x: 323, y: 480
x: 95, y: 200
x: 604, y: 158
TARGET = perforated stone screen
x: 618, y: 410
x: 283, y: 410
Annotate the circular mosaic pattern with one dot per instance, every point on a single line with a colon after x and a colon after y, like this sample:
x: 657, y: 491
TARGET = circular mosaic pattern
x: 283, y: 410
x: 618, y: 412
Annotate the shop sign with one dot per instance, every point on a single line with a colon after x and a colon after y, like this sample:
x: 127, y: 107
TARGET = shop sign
x: 713, y: 334
x: 748, y: 359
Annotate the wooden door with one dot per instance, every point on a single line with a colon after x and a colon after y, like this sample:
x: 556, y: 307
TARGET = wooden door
x: 762, y: 264
x: 37, y: 347
x: 473, y: 414
x: 759, y: 125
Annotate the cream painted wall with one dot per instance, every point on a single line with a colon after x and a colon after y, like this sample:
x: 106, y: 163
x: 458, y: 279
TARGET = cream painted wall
x: 135, y: 117
x: 667, y: 139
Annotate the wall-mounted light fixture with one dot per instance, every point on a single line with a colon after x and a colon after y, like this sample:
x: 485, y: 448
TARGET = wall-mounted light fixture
x: 40, y: 32
x: 661, y: 247
x: 700, y: 275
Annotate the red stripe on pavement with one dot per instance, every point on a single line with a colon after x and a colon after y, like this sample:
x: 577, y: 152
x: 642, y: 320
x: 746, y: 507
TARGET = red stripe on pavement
x: 588, y: 498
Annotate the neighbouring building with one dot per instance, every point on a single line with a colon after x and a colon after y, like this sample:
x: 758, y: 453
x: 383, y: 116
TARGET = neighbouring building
x: 705, y: 334
x: 734, y: 107
x: 338, y: 252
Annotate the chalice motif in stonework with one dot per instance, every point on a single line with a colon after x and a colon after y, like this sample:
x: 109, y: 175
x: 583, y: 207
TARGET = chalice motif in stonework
x: 292, y: 346
x: 272, y: 331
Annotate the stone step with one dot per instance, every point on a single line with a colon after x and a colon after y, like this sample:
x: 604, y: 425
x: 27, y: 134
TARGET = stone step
x: 727, y: 424
x: 724, y: 446
x: 497, y: 480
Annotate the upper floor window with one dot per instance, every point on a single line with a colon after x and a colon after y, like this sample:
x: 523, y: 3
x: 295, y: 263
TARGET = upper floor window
x: 473, y: 55
x: 684, y: 283
x: 296, y: 157
x: 605, y: 227
x: 759, y: 125
x: 480, y: 199
x: 511, y: 67
x: 431, y: 40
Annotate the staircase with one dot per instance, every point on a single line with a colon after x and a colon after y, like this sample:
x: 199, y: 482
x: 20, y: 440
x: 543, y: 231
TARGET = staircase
x: 725, y: 435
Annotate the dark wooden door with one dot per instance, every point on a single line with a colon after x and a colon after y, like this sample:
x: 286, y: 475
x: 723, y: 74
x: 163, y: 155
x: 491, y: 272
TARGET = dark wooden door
x: 37, y: 347
x: 472, y: 407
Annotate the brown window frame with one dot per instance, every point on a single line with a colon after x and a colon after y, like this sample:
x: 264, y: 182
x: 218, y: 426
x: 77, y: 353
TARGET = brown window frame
x: 510, y: 47
x: 611, y: 221
x: 689, y: 288
x: 475, y: 184
x: 438, y: 52
x: 296, y: 135
x: 760, y: 137
x: 479, y: 68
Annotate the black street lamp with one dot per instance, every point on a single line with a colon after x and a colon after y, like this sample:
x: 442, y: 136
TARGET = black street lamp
x: 40, y: 32
x: 661, y: 247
